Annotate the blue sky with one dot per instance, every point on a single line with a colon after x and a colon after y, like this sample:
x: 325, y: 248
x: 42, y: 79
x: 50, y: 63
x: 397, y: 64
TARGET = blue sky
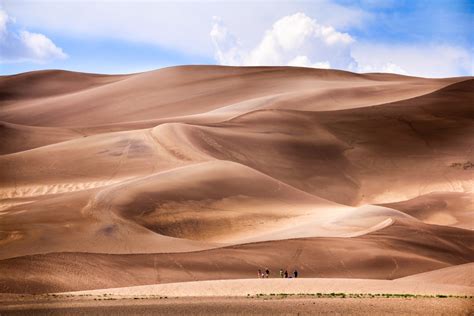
x: 423, y: 38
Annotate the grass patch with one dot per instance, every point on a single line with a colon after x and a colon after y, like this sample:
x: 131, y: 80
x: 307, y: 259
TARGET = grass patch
x: 356, y: 295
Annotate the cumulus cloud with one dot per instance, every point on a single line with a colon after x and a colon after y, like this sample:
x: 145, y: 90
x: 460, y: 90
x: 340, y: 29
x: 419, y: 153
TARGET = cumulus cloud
x: 228, y: 47
x: 303, y: 61
x: 388, y: 67
x: 298, y: 40
x: 295, y: 40
x: 426, y: 60
x: 19, y: 46
x: 174, y: 26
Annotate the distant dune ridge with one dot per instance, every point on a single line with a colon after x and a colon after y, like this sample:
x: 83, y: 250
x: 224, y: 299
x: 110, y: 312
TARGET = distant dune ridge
x: 207, y: 172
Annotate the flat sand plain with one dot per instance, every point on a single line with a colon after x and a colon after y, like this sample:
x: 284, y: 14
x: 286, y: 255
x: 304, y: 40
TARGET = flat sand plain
x: 244, y: 306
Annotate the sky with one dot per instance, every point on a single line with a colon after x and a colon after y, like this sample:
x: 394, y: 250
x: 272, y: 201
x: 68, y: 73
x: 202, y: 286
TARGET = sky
x: 428, y: 38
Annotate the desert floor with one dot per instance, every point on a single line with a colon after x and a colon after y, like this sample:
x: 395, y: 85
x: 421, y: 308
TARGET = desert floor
x: 244, y: 306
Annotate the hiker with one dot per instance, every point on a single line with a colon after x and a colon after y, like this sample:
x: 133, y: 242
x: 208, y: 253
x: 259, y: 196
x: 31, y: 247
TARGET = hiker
x: 267, y: 273
x: 286, y: 274
x: 259, y: 274
x: 295, y: 274
x: 281, y: 273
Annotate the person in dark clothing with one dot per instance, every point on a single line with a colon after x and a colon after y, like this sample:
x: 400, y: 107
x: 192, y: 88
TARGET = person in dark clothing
x: 267, y: 273
x: 286, y: 274
x: 295, y: 274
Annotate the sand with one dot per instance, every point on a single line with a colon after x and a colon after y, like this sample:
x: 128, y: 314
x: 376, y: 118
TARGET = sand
x: 290, y: 286
x: 200, y: 174
x: 244, y: 306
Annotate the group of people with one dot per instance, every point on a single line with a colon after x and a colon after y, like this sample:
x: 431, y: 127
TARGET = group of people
x: 265, y: 274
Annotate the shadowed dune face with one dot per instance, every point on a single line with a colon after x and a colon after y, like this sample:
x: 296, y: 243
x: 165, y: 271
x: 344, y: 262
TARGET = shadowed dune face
x: 200, y: 172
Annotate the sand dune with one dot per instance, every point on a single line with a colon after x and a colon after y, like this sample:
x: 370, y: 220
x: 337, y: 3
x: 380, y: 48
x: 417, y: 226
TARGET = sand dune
x: 441, y: 208
x: 182, y: 204
x: 48, y: 83
x: 402, y: 249
x: 17, y: 138
x: 204, y: 173
x: 158, y: 94
x: 458, y: 275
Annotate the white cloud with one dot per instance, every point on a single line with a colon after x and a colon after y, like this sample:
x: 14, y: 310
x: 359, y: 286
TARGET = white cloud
x: 388, y: 67
x: 3, y: 22
x: 298, y: 40
x: 25, y: 46
x: 228, y: 47
x: 295, y: 40
x: 40, y: 47
x: 426, y: 60
x: 182, y: 26
x: 303, y: 61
